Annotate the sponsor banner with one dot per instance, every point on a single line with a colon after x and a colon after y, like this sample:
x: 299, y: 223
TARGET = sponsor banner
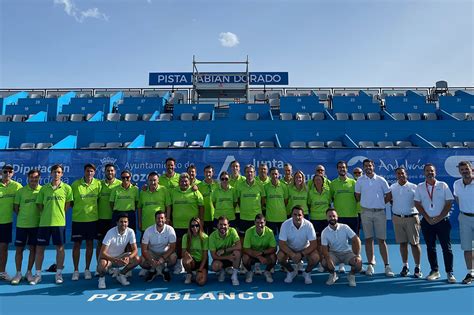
x: 185, y: 78
x: 143, y: 161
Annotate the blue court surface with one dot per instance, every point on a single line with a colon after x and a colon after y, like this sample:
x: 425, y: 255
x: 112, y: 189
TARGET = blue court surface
x: 373, y: 295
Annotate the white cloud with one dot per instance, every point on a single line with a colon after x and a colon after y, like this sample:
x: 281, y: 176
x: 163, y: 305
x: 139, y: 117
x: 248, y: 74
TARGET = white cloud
x: 228, y: 39
x: 80, y: 15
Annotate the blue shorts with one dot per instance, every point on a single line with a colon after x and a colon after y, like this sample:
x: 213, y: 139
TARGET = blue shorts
x: 26, y: 236
x: 57, y: 233
x: 6, y: 233
x: 84, y: 231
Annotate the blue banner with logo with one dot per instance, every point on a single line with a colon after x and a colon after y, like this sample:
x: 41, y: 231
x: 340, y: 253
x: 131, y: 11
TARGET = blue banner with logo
x: 185, y: 78
x: 143, y: 161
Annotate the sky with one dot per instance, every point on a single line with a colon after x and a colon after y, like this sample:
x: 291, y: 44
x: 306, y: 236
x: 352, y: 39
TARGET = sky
x: 320, y: 43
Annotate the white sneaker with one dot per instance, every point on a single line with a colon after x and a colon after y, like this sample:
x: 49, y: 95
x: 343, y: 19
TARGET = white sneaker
x: 290, y: 276
x: 102, y: 283
x: 189, y: 278
x: 87, y: 274
x: 75, y: 276
x: 17, y: 278
x: 307, y: 277
x: 29, y: 276
x: 59, y: 278
x: 235, y: 279
x: 300, y: 266
x: 268, y: 276
x: 221, y: 276
x: 36, y: 280
x: 257, y: 269
x: 178, y: 268
x: 320, y: 268
x: 352, y: 280
x: 122, y: 279
x: 370, y: 270
x: 332, y: 278
x: 388, y: 271
x: 142, y: 273
x: 249, y: 277
x: 5, y: 276
x: 341, y: 268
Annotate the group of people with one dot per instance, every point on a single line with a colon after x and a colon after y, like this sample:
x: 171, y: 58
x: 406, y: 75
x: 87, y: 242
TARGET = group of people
x: 244, y: 223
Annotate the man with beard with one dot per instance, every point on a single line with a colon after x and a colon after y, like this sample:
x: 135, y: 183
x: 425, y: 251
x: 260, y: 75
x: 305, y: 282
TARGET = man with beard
x: 433, y: 199
x: 464, y: 193
x: 170, y: 179
x: 297, y: 241
x: 225, y: 248
x: 336, y: 249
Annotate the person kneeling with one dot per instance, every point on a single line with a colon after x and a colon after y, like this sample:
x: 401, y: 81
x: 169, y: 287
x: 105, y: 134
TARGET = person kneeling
x: 259, y: 247
x: 113, y: 252
x: 195, y: 246
x: 336, y: 250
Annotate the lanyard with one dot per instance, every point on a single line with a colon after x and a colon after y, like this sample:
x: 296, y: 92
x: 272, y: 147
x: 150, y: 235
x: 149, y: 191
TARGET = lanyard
x: 430, y: 195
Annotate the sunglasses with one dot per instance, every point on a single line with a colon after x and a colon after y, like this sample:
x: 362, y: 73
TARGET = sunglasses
x: 125, y: 177
x: 224, y: 179
x: 194, y: 225
x: 7, y: 171
x: 357, y: 172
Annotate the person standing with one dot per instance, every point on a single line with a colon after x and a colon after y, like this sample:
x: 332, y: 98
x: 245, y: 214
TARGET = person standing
x: 406, y: 222
x: 27, y: 221
x: 372, y: 191
x: 8, y: 189
x: 288, y: 176
x: 224, y: 200
x: 53, y: 201
x: 298, y: 194
x: 170, y: 179
x: 124, y: 198
x: 464, y: 194
x: 433, y: 199
x: 152, y: 200
x: 206, y: 187
x: 85, y: 214
x: 275, y: 200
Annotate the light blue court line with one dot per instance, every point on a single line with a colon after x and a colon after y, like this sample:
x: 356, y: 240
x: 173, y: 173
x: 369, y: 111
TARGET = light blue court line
x: 373, y: 295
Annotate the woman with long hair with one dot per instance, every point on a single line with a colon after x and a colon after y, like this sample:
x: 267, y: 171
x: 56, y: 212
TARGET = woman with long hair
x: 194, y: 252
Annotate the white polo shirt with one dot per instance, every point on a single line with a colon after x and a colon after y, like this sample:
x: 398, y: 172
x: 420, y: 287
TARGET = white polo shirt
x: 159, y: 242
x: 297, y: 239
x: 465, y: 195
x: 433, y: 205
x: 403, y: 198
x: 372, y: 191
x: 338, y: 239
x: 117, y: 242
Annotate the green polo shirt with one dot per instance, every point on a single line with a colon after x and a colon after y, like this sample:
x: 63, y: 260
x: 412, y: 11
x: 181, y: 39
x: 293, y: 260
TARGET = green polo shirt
x: 259, y: 242
x: 29, y: 214
x: 54, y: 202
x: 152, y: 202
x: 342, y: 192
x: 7, y: 197
x: 124, y: 199
x: 185, y: 206
x: 326, y: 183
x: 224, y: 201
x: 275, y: 197
x: 235, y: 181
x: 263, y: 182
x: 197, y: 245
x: 206, y: 191
x: 216, y: 242
x: 86, y: 196
x: 290, y: 183
x: 319, y: 203
x: 169, y: 182
x: 297, y: 197
x: 250, y: 200
x: 105, y: 211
